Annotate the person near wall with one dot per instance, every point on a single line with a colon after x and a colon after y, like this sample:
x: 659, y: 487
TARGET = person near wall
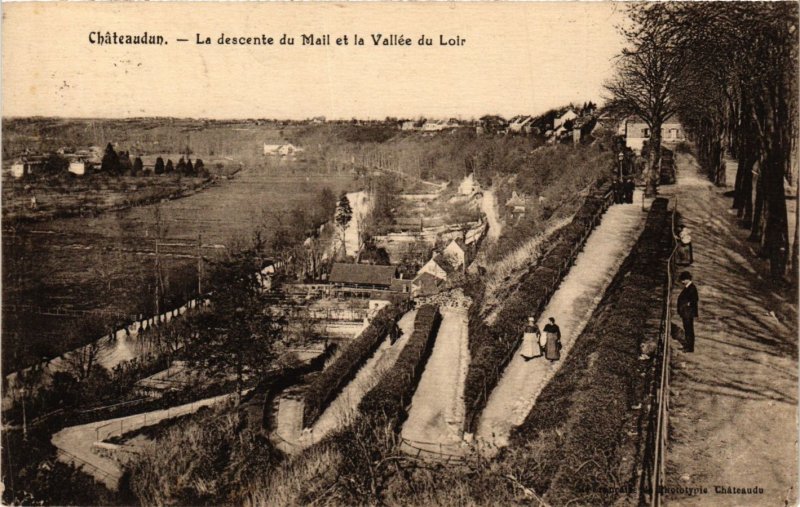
x: 685, y: 239
x: 531, y: 344
x: 687, y: 309
x: 553, y: 343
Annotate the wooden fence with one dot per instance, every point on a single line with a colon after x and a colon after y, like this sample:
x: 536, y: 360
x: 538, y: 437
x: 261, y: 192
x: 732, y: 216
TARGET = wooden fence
x: 651, y: 486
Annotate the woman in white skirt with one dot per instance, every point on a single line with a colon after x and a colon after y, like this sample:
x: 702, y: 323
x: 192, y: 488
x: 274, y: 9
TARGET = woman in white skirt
x: 531, y: 346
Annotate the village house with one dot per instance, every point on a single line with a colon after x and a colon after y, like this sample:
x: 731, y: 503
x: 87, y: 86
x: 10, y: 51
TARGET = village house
x: 455, y: 253
x: 436, y: 267
x: 426, y: 284
x: 362, y: 276
x: 637, y: 132
x: 516, y: 205
x: 468, y: 185
x: 564, y: 118
x: 492, y: 124
x: 520, y: 125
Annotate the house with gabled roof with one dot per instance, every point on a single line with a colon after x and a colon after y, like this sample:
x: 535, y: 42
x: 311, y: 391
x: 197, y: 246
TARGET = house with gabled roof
x: 455, y: 253
x: 436, y: 267
x: 516, y: 204
x: 426, y: 284
x: 521, y: 124
x: 568, y: 115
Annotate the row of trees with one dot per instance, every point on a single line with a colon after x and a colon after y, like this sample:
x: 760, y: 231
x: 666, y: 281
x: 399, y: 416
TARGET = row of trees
x: 729, y: 72
x: 119, y: 163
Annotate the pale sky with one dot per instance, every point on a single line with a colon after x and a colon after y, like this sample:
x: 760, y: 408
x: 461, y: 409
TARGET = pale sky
x: 518, y: 58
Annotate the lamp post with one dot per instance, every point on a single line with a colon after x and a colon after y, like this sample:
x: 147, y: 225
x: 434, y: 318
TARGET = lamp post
x: 620, y: 157
x: 24, y: 417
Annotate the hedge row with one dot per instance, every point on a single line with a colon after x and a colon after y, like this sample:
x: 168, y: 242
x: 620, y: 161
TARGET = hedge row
x: 330, y: 382
x: 388, y: 400
x: 257, y: 405
x: 491, y: 347
x: 590, y: 400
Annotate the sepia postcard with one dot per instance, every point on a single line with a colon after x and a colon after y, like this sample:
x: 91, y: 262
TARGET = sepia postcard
x: 399, y: 253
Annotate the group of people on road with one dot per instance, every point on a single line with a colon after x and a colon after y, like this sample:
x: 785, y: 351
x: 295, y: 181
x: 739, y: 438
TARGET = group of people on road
x: 623, y: 190
x: 536, y: 344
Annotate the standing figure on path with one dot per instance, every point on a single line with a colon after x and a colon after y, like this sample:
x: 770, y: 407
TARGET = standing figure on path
x: 553, y: 344
x: 531, y: 347
x: 629, y: 187
x: 687, y: 309
x: 616, y: 188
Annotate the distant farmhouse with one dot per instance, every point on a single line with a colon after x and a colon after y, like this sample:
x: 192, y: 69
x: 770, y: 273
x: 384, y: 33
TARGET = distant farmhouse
x: 281, y: 150
x: 27, y: 165
x: 439, y: 125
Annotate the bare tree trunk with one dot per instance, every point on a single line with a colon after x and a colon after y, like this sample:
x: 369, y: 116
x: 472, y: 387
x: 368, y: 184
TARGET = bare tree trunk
x: 795, y: 252
x: 756, y: 225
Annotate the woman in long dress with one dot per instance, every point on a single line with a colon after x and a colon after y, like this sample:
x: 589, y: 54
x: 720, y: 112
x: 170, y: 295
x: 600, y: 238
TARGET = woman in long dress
x: 553, y: 345
x: 531, y: 347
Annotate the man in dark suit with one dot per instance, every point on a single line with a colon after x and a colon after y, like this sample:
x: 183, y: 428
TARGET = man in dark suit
x: 687, y: 309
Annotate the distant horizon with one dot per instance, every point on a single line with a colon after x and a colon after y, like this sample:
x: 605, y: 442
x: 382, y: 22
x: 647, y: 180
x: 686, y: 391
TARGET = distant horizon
x: 600, y: 105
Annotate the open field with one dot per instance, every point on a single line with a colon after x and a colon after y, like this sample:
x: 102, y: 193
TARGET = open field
x: 106, y: 264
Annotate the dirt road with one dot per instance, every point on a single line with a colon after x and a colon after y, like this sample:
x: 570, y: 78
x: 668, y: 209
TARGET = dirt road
x: 489, y: 208
x: 76, y: 442
x: 733, y: 421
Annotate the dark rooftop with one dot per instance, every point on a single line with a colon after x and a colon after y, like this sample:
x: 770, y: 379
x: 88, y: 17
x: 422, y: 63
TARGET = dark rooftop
x: 363, y: 274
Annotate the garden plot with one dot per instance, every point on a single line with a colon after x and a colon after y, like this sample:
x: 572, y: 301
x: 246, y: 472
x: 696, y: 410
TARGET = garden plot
x: 572, y: 306
x: 289, y: 422
x: 436, y: 418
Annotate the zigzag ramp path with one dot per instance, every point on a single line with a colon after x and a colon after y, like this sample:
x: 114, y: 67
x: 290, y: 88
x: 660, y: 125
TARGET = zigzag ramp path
x: 572, y: 306
x: 436, y: 418
x: 291, y: 436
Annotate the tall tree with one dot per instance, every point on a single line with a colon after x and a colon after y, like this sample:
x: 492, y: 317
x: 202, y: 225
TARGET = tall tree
x: 159, y: 168
x: 740, y: 94
x: 238, y: 334
x: 110, y: 162
x: 343, y: 216
x: 646, y: 75
x: 137, y: 166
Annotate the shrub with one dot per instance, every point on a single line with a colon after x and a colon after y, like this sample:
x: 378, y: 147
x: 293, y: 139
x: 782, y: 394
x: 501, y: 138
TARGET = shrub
x: 201, y: 461
x: 330, y: 382
x: 390, y: 397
